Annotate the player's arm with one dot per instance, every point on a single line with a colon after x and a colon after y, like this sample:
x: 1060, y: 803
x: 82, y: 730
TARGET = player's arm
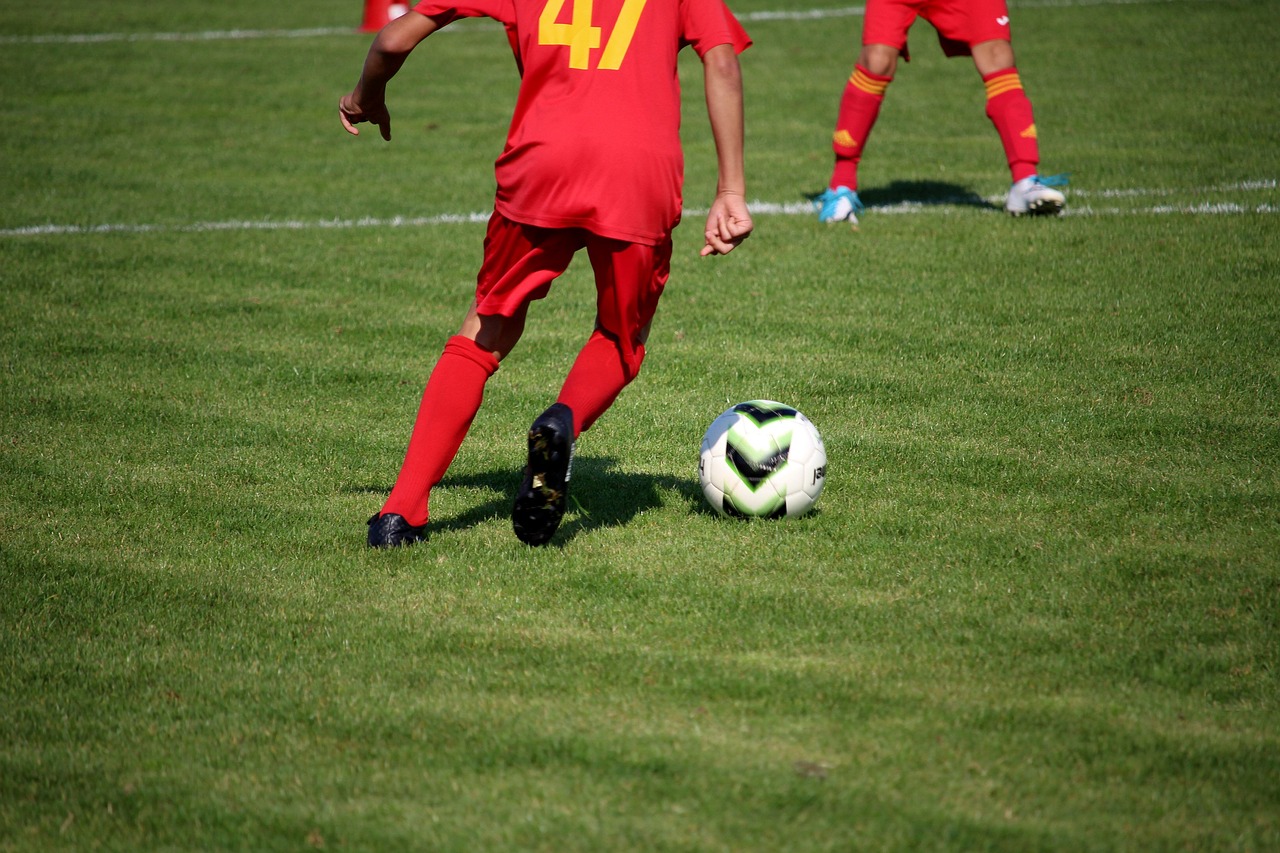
x: 391, y: 47
x: 729, y: 221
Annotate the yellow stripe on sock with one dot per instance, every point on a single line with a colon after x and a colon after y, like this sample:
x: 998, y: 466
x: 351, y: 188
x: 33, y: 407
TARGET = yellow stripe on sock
x: 860, y: 80
x: 1002, y: 84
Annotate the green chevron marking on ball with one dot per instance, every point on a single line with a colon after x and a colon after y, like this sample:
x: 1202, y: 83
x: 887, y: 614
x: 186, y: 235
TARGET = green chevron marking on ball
x: 758, y: 444
x: 776, y: 508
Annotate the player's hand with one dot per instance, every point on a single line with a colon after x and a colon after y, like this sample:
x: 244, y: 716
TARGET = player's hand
x: 728, y: 224
x: 353, y: 112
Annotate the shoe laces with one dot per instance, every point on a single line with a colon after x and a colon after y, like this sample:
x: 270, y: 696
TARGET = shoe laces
x: 829, y: 195
x: 1058, y: 180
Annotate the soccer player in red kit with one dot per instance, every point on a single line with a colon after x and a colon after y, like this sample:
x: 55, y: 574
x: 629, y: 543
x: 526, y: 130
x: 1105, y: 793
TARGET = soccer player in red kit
x: 592, y: 160
x: 977, y: 28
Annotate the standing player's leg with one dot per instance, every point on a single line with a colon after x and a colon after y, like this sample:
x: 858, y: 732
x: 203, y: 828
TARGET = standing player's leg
x: 860, y: 105
x: 1010, y: 111
x: 452, y: 397
x: 884, y: 37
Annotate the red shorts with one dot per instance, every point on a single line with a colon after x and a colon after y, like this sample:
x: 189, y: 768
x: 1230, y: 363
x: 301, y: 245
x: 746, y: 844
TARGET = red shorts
x: 960, y: 23
x: 521, y: 261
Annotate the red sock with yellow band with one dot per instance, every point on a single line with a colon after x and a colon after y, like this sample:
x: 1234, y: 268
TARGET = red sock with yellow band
x: 859, y: 108
x: 1009, y: 109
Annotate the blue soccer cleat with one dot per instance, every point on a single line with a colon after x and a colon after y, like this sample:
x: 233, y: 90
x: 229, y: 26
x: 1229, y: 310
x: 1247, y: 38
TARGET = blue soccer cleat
x: 839, y: 205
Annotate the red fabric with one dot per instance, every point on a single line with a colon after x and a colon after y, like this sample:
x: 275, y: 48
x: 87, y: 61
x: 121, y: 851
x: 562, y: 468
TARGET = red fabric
x: 449, y: 404
x: 521, y: 261
x: 598, y: 375
x: 609, y: 175
x: 959, y: 23
x: 859, y: 109
x: 1010, y: 111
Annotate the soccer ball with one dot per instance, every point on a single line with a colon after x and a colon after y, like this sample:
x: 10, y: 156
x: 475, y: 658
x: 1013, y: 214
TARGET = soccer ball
x: 762, y: 459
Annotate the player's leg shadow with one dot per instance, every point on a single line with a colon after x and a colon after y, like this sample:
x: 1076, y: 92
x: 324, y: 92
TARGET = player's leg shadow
x: 600, y: 496
x: 905, y: 194
x: 930, y: 193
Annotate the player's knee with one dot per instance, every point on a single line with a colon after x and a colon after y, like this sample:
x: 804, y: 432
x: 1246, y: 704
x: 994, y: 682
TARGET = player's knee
x: 992, y: 56
x: 879, y: 59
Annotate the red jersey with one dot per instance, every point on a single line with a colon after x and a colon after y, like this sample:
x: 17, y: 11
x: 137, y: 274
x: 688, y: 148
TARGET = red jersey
x: 595, y: 139
x: 960, y: 23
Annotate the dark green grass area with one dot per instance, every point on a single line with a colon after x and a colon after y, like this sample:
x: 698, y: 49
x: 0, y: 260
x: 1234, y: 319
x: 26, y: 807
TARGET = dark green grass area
x: 1035, y: 608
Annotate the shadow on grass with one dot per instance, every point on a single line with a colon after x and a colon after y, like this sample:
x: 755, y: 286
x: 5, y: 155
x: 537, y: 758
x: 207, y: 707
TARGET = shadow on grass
x: 600, y: 496
x: 939, y: 193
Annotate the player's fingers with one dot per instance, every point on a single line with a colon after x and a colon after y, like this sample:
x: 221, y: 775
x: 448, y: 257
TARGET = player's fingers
x: 740, y: 222
x: 385, y: 127
x: 716, y: 244
x: 727, y: 237
x: 346, y: 122
x: 737, y: 230
x: 714, y: 241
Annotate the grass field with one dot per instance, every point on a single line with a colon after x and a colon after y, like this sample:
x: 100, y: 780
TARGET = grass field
x: 1038, y: 607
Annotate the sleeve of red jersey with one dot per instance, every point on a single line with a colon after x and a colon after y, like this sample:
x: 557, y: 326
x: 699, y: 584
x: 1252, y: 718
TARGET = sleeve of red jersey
x: 708, y: 23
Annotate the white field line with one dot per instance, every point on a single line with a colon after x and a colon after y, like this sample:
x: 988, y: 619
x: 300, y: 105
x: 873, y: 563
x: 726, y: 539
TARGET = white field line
x: 215, y: 35
x: 759, y: 208
x: 249, y: 225
x: 857, y: 11
x: 958, y: 205
x: 1130, y: 193
x: 746, y: 17
x: 208, y: 35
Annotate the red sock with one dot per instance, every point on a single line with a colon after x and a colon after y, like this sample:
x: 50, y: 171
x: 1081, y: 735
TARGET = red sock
x: 1009, y: 109
x: 595, y: 380
x: 859, y: 108
x: 449, y: 404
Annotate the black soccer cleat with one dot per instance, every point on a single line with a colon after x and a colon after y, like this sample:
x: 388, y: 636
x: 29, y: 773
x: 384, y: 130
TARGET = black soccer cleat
x: 540, y: 503
x: 388, y: 530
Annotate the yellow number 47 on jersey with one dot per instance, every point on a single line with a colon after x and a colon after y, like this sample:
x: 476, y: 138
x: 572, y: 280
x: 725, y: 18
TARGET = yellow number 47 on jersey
x: 581, y: 37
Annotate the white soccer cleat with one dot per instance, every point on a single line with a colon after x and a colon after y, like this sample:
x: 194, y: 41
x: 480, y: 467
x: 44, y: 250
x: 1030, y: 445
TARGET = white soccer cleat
x: 1036, y: 196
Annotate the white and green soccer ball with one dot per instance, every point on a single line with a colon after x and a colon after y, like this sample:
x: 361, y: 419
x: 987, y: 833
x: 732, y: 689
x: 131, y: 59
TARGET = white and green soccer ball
x: 762, y: 459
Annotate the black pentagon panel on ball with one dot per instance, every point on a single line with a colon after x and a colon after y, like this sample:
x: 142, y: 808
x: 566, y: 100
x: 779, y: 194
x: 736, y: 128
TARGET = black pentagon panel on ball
x: 754, y: 473
x: 762, y: 411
